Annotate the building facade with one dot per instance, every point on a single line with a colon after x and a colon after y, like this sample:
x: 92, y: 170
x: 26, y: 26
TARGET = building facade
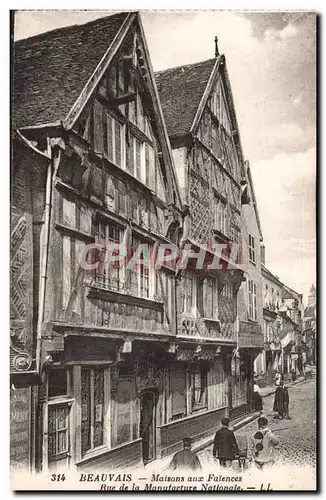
x: 104, y: 333
x: 201, y: 121
x: 310, y: 326
x: 121, y: 357
x: 283, y: 343
x: 28, y: 181
x: 250, y: 301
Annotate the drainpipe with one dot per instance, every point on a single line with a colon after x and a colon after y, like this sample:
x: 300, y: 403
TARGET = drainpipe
x: 44, y: 255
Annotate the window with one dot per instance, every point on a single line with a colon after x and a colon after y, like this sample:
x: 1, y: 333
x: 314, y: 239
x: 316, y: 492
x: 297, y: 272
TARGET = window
x: 109, y: 275
x: 252, y: 300
x: 227, y: 290
x: 58, y: 432
x: 115, y: 141
x: 210, y: 298
x: 198, y: 387
x: 219, y: 215
x: 92, y: 408
x: 189, y: 292
x: 140, y: 284
x: 252, y: 256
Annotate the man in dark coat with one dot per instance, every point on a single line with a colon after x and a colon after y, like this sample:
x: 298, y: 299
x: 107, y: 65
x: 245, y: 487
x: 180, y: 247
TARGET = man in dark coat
x: 279, y: 401
x: 185, y: 459
x: 225, y: 445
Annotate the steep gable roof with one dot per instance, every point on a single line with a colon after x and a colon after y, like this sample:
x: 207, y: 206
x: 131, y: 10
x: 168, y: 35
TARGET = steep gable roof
x: 254, y: 201
x: 50, y: 70
x: 181, y: 90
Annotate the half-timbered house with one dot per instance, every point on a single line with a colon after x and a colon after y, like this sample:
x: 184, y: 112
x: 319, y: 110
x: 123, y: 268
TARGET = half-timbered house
x: 250, y: 301
x: 29, y: 169
x: 200, y: 115
x: 86, y: 96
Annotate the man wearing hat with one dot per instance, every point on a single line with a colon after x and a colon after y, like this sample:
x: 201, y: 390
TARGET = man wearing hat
x: 225, y: 445
x: 185, y: 459
x: 262, y: 445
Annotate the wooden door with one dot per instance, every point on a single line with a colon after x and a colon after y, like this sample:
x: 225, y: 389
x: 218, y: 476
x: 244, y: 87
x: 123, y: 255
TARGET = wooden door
x: 147, y: 425
x: 59, y: 436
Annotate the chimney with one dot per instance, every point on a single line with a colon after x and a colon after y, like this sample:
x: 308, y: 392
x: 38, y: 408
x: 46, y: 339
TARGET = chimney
x: 216, y: 47
x: 262, y: 254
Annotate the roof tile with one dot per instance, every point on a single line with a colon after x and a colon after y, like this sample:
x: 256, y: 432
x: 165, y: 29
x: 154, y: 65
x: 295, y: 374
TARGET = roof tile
x: 180, y: 90
x: 51, y: 69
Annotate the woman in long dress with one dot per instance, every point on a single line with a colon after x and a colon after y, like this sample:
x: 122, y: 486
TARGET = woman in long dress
x: 257, y: 399
x: 279, y: 401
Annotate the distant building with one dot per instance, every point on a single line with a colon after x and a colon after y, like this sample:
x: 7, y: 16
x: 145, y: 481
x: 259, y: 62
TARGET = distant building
x: 310, y: 325
x: 284, y: 348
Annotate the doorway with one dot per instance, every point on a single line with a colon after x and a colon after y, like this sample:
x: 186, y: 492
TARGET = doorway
x: 148, y: 401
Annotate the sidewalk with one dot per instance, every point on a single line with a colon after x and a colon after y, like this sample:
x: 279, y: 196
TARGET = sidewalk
x: 234, y: 424
x: 270, y: 389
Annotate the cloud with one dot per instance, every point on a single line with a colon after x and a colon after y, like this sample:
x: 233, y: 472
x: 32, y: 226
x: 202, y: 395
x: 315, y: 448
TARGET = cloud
x: 285, y: 191
x: 288, y: 31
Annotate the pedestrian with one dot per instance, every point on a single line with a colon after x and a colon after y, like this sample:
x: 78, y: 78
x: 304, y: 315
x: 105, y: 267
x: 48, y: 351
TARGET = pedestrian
x: 262, y: 445
x: 278, y: 406
x: 277, y: 378
x: 185, y: 459
x: 225, y: 445
x: 257, y: 399
x: 293, y: 375
x: 286, y: 403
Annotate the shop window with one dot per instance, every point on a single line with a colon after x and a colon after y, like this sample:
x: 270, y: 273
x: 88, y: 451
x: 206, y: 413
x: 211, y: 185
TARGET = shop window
x: 198, y: 386
x: 125, y: 426
x: 57, y: 383
x: 92, y: 408
x: 178, y: 391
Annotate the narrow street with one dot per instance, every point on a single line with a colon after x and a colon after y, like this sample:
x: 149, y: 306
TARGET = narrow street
x: 297, y: 436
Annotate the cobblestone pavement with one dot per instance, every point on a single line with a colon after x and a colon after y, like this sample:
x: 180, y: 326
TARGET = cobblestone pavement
x: 297, y: 436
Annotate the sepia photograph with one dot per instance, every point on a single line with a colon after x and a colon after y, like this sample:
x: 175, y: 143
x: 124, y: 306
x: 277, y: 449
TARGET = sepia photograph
x: 163, y: 288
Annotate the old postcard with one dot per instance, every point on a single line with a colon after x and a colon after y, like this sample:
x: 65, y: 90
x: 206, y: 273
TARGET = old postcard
x: 163, y: 251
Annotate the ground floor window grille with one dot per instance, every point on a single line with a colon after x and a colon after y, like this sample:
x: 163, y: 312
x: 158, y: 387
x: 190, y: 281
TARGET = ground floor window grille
x: 92, y: 406
x: 58, y: 431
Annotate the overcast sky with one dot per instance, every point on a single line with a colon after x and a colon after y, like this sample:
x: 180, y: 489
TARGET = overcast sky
x: 271, y: 62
